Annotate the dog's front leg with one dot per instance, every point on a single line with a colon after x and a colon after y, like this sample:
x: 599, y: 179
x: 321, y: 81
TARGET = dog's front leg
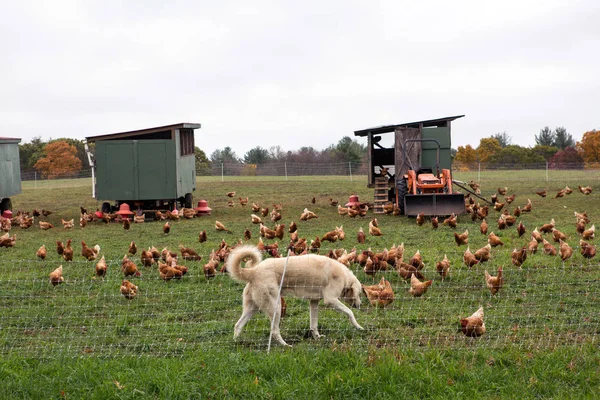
x: 314, y: 317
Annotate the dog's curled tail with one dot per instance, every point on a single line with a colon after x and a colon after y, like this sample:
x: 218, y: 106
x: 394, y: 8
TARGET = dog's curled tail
x: 234, y: 261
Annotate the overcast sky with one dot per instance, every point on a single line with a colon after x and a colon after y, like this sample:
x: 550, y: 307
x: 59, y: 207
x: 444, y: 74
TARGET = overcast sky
x: 263, y: 73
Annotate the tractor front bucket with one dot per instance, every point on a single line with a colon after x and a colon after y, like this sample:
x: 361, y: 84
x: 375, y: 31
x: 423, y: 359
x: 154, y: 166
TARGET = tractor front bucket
x: 434, y: 204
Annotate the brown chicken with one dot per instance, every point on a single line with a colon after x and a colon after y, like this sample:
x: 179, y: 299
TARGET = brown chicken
x: 560, y: 193
x: 45, y: 225
x: 230, y: 194
x: 443, y: 267
x: 483, y: 228
x: 434, y: 222
x: 502, y: 191
x: 475, y: 186
x: 293, y: 227
x: 247, y: 234
x: 469, y: 258
x: 483, y: 254
x: 542, y: 193
x: 406, y: 271
x: 379, y: 295
x: 547, y: 228
x: 517, y: 212
x: 189, y: 254
x: 89, y: 253
x: 167, y: 272
x: 461, y: 239
x: 587, y: 250
x: 60, y: 247
x: 568, y: 190
x: 417, y: 260
x: 418, y: 288
x: 589, y: 233
x: 473, y: 326
x: 307, y: 214
x: 132, y: 248
x: 420, y: 219
x: 256, y: 219
x: 330, y: 236
x: 342, y: 210
x: 494, y: 240
x: 585, y: 190
x: 147, y: 258
x: 128, y: 289
x: 202, y: 237
x: 220, y: 227
x: 548, y: 248
x: 580, y: 226
x: 565, y: 250
x: 537, y: 235
x: 126, y: 224
x: 498, y: 206
x: 68, y: 251
x: 532, y: 246
x: 67, y: 224
x: 360, y: 236
x: 521, y: 229
x: 510, y: 199
x: 101, y: 267
x: 139, y: 219
x: 56, y: 276
x: 502, y: 222
x: 243, y: 202
x: 558, y: 235
x: 527, y: 207
x: 373, y: 229
x: 166, y: 228
x: 451, y: 221
x: 518, y: 256
x: 494, y: 283
x: 42, y: 253
x: 129, y: 268
x: 210, y: 268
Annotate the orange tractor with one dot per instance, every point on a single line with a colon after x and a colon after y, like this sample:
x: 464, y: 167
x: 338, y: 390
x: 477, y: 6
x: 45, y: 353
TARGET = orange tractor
x: 427, y: 190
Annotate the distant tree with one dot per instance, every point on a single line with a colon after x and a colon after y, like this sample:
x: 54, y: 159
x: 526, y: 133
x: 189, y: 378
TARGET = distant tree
x: 307, y: 154
x: 276, y: 153
x: 568, y: 158
x: 202, y: 162
x: 465, y: 154
x: 546, y: 137
x: 503, y: 139
x: 30, y: 153
x: 487, y: 148
x: 589, y: 147
x: 545, y: 151
x: 225, y: 156
x: 562, y: 139
x: 257, y: 155
x: 515, y: 155
x: 350, y: 150
x: 60, y: 160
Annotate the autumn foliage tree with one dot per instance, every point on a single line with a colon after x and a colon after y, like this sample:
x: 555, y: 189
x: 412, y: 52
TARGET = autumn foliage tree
x: 589, y: 147
x: 568, y: 158
x: 60, y: 160
x: 487, y: 148
x: 465, y: 155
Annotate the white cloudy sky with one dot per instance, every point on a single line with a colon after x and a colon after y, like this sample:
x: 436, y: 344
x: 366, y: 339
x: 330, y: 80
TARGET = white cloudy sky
x: 262, y: 73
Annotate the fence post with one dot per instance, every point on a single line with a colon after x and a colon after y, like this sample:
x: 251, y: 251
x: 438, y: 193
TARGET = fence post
x: 350, y: 169
x: 35, y: 180
x: 478, y: 172
x: 546, y: 171
x: 285, y: 169
x: 221, y: 172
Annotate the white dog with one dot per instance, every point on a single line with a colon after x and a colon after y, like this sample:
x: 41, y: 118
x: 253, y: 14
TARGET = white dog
x: 311, y: 277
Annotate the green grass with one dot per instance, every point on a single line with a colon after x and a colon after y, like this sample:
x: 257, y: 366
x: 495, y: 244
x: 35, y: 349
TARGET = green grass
x: 174, y: 340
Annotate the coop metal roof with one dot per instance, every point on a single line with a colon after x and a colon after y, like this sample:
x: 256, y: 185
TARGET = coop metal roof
x: 124, y: 135
x: 9, y: 140
x: 391, y: 128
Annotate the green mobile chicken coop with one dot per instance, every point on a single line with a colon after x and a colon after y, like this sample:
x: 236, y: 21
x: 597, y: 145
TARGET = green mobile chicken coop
x: 10, y: 171
x: 150, y: 168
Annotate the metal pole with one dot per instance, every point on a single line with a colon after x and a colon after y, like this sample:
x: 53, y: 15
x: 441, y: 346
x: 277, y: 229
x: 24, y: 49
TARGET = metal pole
x: 546, y: 171
x: 285, y: 168
x: 350, y: 169
x: 35, y: 180
x: 221, y: 172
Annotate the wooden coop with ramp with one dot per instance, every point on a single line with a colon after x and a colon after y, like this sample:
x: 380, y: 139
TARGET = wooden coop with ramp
x: 416, y: 165
x: 151, y: 168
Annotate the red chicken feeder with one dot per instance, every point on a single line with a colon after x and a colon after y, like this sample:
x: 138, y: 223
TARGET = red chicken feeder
x: 7, y: 214
x: 353, y: 201
x: 203, y: 208
x: 124, y: 210
x: 98, y: 214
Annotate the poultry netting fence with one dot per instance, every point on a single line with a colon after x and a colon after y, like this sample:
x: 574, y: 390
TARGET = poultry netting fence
x: 544, y: 303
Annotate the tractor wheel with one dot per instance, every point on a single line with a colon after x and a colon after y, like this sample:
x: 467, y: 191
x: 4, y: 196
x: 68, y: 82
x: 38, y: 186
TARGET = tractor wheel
x: 402, y: 188
x: 6, y: 204
x: 189, y: 200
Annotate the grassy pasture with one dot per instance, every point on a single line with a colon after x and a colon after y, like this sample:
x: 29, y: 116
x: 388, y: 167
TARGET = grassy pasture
x: 83, y: 340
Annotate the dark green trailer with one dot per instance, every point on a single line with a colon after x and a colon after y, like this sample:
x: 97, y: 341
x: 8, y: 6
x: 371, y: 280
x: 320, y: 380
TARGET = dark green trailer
x: 10, y: 171
x: 150, y: 168
x: 421, y: 146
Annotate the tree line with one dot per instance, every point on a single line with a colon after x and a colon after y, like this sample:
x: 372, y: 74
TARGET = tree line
x: 556, y: 147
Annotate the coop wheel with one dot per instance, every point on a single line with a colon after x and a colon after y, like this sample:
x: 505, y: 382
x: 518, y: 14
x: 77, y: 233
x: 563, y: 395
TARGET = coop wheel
x: 6, y: 204
x: 189, y: 200
x: 105, y: 207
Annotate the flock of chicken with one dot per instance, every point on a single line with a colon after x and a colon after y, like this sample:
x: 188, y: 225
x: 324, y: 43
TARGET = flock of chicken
x: 380, y: 294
